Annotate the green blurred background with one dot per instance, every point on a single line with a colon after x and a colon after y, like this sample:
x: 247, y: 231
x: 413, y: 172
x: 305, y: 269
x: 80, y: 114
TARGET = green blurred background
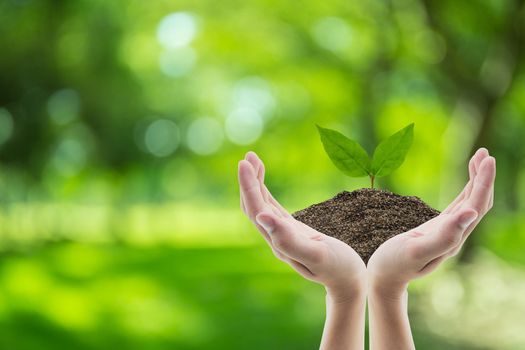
x: 121, y: 124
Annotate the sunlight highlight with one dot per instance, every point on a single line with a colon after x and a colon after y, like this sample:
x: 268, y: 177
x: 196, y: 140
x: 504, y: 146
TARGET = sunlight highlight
x: 162, y: 137
x: 332, y: 33
x: 254, y: 93
x: 244, y: 126
x: 63, y: 106
x: 205, y: 136
x: 177, y: 30
x: 177, y: 62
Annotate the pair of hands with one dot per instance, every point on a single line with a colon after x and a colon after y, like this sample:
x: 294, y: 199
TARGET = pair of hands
x: 394, y: 264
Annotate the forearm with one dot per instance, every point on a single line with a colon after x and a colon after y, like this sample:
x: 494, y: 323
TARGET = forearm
x: 389, y: 326
x: 344, y: 326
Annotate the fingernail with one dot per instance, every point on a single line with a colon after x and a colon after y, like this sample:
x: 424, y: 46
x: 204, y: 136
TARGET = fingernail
x: 467, y: 219
x: 266, y: 222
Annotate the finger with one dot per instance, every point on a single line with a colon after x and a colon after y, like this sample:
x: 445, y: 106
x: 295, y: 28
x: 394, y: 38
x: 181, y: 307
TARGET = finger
x: 243, y: 207
x: 257, y: 164
x: 256, y: 167
x: 477, y: 158
x: 250, y: 190
x: 260, y: 175
x: 278, y: 254
x: 259, y: 170
x: 285, y: 239
x: 447, y: 235
x: 432, y: 265
x: 472, y: 168
x: 479, y: 198
x: 466, y: 190
x: 253, y: 158
x: 264, y: 234
x: 481, y: 154
x: 297, y: 266
x: 283, y: 212
x: 303, y: 270
x: 458, y: 200
x: 491, y: 200
x: 270, y: 197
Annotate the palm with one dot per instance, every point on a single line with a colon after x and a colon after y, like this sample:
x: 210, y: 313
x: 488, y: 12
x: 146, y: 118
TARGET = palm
x: 332, y: 256
x: 419, y: 251
x: 397, y: 250
x: 314, y: 255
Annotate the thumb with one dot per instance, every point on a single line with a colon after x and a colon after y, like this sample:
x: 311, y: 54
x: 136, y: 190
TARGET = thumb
x: 446, y: 236
x: 288, y: 240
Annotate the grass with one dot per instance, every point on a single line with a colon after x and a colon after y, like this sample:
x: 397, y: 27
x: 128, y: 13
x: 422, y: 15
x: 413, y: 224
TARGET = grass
x: 80, y: 296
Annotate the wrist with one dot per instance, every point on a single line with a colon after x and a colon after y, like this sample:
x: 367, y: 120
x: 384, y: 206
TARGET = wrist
x: 388, y: 291
x: 345, y: 295
x: 345, y: 318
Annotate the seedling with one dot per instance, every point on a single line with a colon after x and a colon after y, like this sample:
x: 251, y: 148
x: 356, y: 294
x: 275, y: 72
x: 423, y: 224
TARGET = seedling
x: 352, y: 159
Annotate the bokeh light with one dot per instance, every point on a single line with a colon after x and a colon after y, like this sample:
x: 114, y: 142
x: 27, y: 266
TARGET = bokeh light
x: 162, y: 137
x: 177, y: 30
x: 177, y: 62
x: 205, y: 136
x: 244, y: 126
x: 254, y: 93
x: 69, y: 157
x: 63, y: 106
x: 332, y: 33
x: 430, y: 46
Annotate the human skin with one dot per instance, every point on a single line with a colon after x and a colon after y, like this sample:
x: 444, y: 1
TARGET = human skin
x: 395, y: 263
x: 314, y: 255
x: 418, y: 252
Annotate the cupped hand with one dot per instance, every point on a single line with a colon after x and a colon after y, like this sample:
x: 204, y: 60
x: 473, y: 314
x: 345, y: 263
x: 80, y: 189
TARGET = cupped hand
x: 312, y: 254
x: 419, y: 251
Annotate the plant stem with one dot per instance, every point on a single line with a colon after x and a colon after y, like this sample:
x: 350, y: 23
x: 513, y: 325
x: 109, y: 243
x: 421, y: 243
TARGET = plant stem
x: 372, y: 177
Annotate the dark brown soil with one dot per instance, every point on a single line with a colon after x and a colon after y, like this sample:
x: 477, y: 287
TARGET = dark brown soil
x: 365, y: 218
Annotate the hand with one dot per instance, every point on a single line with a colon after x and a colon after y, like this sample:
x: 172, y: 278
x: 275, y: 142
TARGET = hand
x: 314, y: 255
x: 419, y: 251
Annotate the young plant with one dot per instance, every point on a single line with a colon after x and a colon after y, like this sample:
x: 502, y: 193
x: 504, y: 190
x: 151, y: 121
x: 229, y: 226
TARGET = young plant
x: 349, y: 157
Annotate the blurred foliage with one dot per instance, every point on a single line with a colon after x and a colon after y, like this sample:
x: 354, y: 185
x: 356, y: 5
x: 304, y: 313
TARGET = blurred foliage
x: 121, y: 124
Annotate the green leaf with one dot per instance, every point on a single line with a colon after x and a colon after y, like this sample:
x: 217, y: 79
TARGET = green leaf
x: 390, y: 153
x: 347, y: 155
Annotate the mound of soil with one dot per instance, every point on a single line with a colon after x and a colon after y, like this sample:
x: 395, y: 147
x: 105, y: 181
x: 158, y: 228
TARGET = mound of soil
x: 365, y: 218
